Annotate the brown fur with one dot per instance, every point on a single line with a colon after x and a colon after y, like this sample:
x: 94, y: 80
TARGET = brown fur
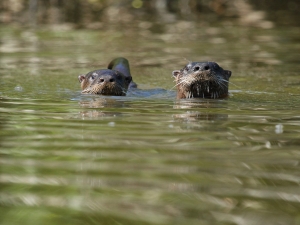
x: 104, y: 82
x: 202, y: 80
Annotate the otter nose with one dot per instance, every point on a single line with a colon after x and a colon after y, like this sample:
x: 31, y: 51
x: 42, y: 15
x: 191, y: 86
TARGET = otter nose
x: 206, y: 66
x: 202, y: 67
x: 107, y: 79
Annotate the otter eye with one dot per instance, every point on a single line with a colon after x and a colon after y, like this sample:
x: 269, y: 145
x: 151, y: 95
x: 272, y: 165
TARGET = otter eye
x: 196, y: 68
x: 92, y: 77
x: 206, y: 67
x: 128, y: 79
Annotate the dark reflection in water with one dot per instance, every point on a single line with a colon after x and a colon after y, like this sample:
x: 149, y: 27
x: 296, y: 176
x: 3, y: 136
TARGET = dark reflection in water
x: 200, y: 113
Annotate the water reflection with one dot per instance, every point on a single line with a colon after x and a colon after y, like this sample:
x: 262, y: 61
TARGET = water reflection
x: 199, y: 112
x: 148, y: 158
x: 92, y: 104
x: 94, y: 101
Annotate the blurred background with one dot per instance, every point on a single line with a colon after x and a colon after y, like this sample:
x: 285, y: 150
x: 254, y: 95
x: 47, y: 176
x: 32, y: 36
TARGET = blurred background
x: 95, y: 14
x: 235, y: 33
x: 147, y: 158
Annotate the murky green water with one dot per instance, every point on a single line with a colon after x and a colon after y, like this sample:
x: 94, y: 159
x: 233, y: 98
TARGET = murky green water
x: 147, y: 158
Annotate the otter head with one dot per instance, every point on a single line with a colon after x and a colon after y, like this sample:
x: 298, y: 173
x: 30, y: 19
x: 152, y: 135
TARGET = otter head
x: 202, y: 79
x: 104, y: 82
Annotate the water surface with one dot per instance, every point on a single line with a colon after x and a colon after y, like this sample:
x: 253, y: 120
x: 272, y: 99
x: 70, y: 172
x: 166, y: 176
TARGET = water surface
x: 148, y: 158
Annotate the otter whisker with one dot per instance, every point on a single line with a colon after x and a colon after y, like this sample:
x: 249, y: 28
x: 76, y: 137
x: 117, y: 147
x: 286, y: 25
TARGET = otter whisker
x: 230, y: 82
x: 178, y: 84
x: 202, y: 79
x: 221, y: 84
x: 187, y: 60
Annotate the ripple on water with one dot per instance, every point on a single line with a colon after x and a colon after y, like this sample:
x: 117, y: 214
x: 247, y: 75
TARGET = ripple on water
x: 148, y: 158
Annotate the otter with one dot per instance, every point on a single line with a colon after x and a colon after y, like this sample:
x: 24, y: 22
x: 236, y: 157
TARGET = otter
x: 115, y: 80
x: 202, y: 80
x: 122, y: 65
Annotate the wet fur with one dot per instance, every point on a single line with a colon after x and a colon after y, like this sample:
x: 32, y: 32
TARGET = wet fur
x: 114, y: 80
x: 202, y: 80
x: 98, y: 82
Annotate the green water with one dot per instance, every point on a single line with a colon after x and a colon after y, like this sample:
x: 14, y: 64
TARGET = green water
x: 148, y: 158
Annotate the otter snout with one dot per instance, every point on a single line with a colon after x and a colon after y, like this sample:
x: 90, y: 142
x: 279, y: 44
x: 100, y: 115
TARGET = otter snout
x: 201, y: 67
x: 106, y: 79
x: 203, y: 80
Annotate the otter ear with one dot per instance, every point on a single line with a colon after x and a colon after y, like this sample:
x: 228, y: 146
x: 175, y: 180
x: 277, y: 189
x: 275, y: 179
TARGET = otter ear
x: 175, y: 73
x: 228, y: 73
x: 81, y: 78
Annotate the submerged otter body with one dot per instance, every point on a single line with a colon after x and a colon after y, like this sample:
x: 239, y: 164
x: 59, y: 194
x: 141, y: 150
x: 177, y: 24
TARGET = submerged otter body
x: 112, y: 81
x: 202, y: 80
